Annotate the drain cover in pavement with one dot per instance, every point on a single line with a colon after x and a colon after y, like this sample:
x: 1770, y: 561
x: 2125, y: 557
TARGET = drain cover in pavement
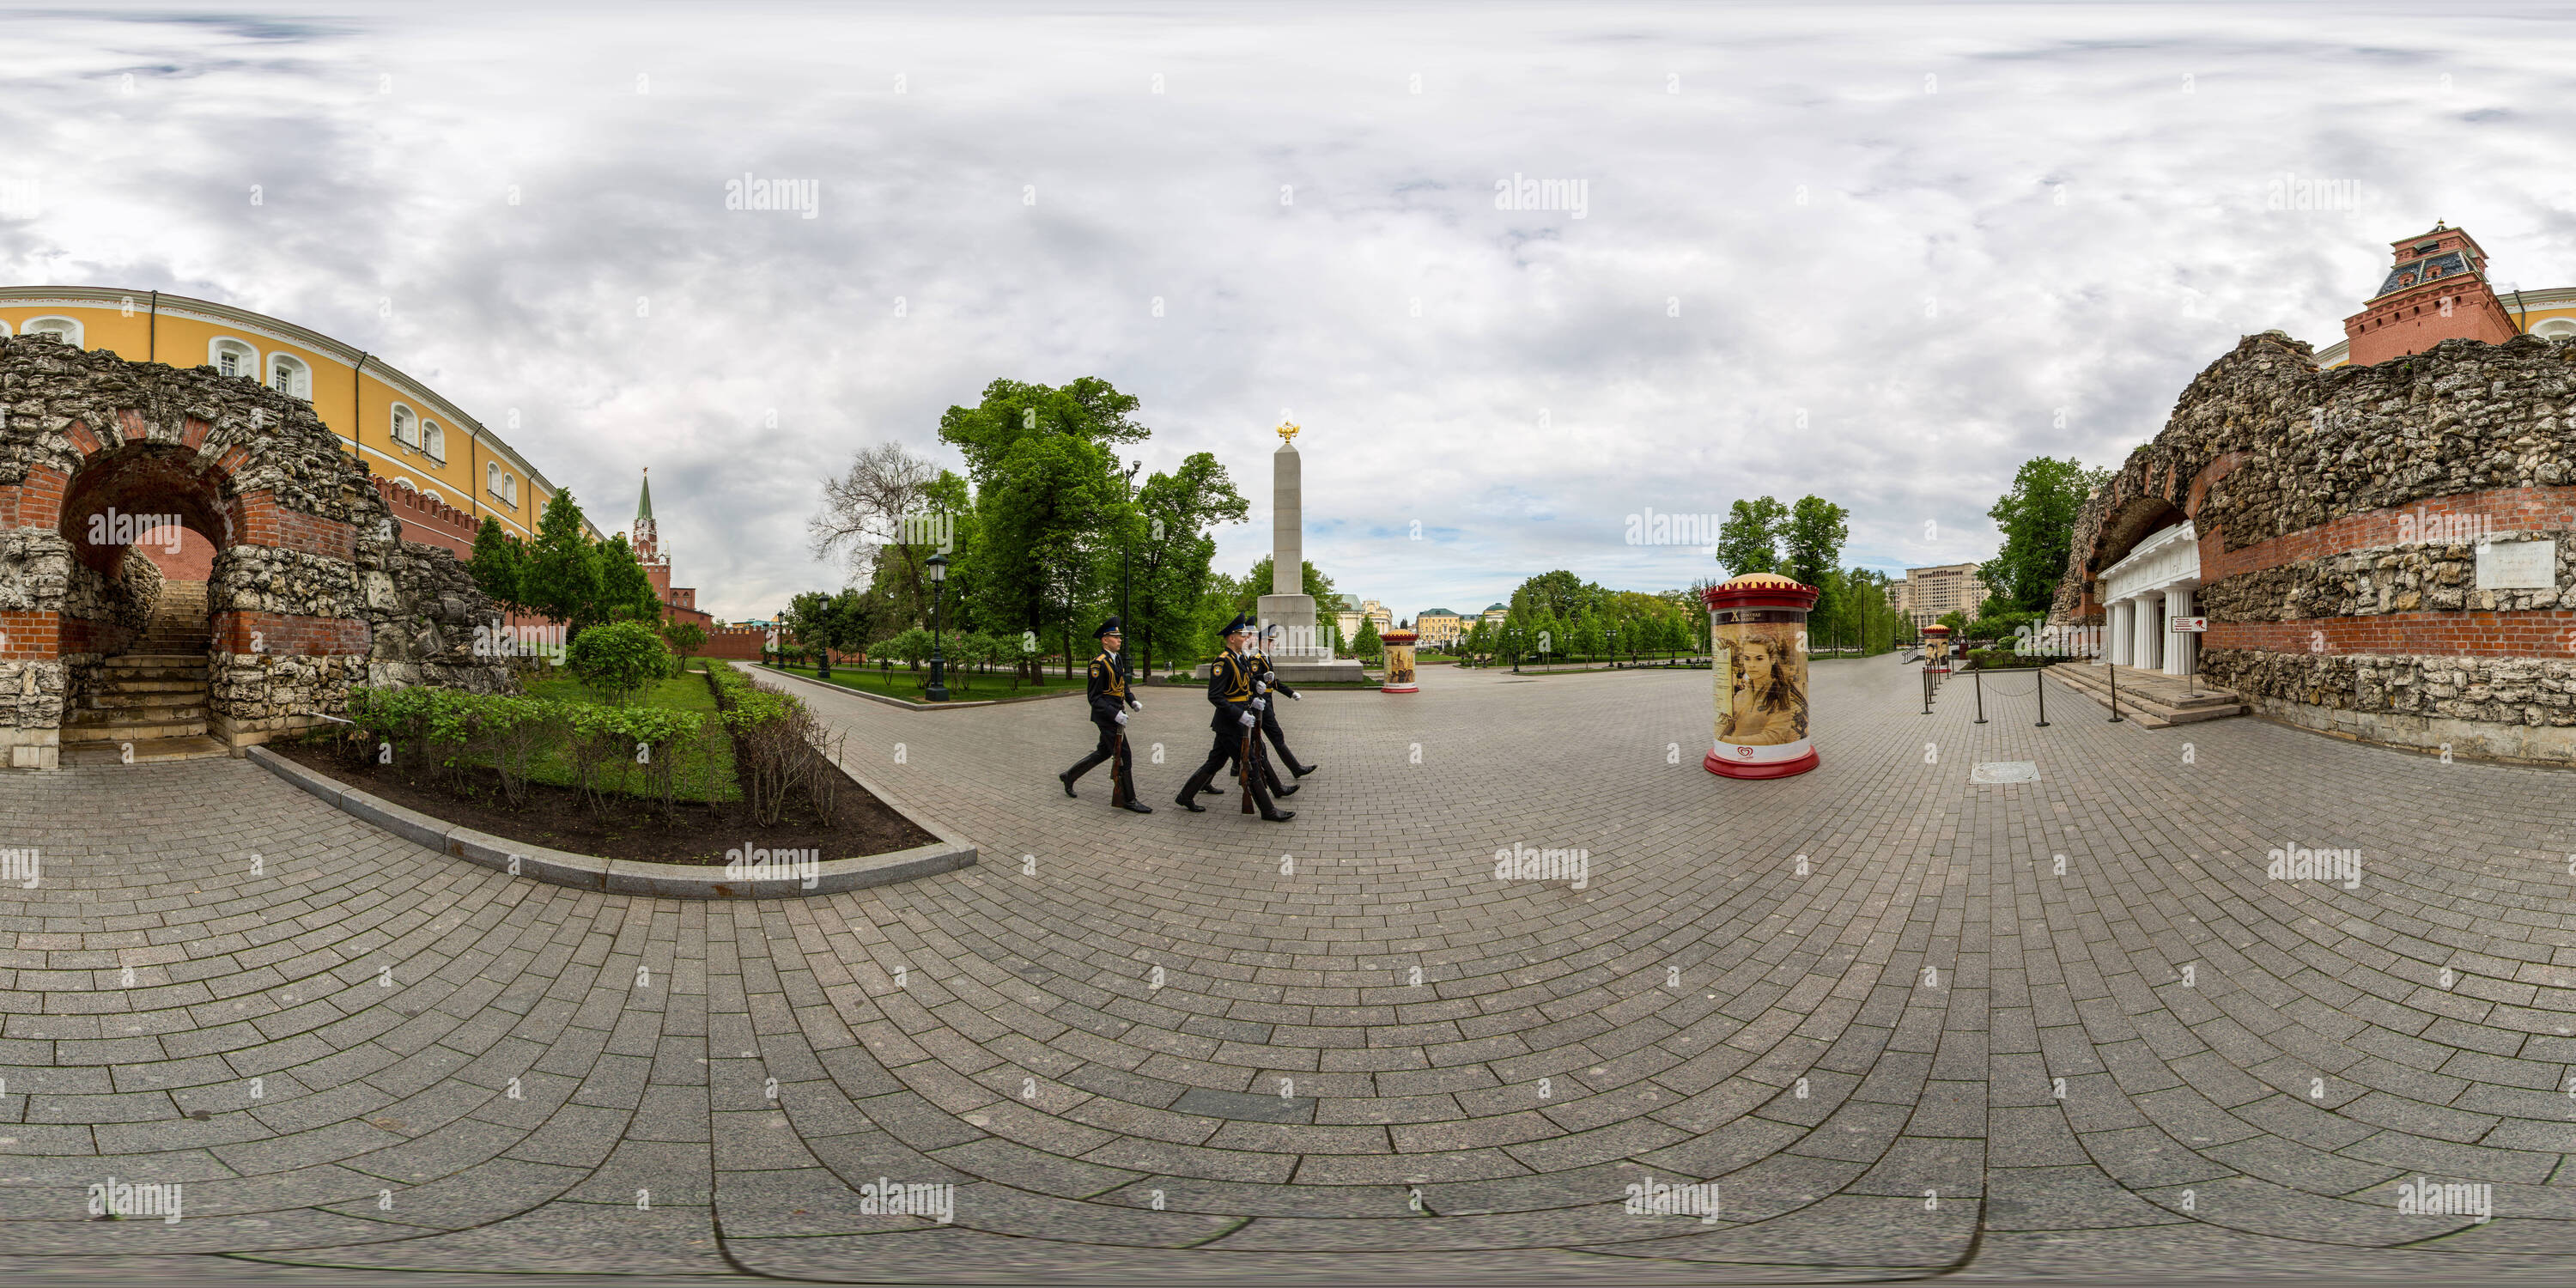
x: 2005, y: 771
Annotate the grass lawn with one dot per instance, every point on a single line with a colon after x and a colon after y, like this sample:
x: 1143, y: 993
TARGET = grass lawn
x: 907, y: 685
x: 687, y: 691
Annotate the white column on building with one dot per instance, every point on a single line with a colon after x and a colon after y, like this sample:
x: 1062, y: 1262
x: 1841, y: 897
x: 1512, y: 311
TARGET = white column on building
x: 2148, y: 634
x: 2115, y: 631
x: 2178, y: 644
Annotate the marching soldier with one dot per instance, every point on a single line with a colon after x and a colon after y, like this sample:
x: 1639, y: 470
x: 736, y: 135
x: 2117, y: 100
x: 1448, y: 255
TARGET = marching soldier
x: 1270, y: 714
x: 1236, y: 690
x: 1110, y: 705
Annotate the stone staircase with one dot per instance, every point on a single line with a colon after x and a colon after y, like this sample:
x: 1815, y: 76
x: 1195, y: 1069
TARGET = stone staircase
x: 2151, y: 698
x: 152, y: 697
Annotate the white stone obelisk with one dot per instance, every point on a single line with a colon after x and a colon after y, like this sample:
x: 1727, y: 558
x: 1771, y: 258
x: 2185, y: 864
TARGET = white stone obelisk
x: 1288, y: 605
x: 1299, y: 654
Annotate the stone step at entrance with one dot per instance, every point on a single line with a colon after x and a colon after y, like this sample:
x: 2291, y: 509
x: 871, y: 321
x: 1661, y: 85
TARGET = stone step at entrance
x: 154, y: 696
x: 2151, y: 698
x: 146, y: 751
x: 179, y: 621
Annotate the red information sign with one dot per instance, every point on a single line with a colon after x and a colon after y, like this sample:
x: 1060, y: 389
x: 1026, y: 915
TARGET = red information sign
x: 2189, y: 623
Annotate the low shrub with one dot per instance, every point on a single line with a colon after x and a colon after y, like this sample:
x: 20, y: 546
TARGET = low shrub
x: 781, y: 752
x: 618, y: 658
x: 453, y: 732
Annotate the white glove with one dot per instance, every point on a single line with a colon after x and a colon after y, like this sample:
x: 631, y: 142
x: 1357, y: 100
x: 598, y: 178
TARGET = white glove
x: 1122, y: 717
x: 1250, y: 720
x: 1296, y: 697
x: 1134, y: 705
x: 1261, y: 686
x: 1260, y: 703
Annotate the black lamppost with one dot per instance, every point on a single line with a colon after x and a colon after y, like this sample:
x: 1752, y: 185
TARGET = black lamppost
x: 938, y: 691
x: 1125, y: 581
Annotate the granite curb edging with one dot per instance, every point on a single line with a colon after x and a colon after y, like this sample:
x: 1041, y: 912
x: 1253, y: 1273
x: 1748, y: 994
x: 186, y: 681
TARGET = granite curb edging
x: 627, y: 876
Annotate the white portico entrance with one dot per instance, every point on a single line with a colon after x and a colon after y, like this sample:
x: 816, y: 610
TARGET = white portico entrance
x: 2148, y: 588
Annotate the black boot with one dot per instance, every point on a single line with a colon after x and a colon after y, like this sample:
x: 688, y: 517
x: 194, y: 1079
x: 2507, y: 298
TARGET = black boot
x: 1138, y: 806
x: 1299, y: 771
x: 1279, y: 816
x: 1066, y: 778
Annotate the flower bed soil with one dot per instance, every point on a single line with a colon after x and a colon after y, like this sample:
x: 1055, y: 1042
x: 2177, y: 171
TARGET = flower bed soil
x: 554, y: 817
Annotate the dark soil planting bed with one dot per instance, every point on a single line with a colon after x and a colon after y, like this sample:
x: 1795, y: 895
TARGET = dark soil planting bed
x: 554, y: 817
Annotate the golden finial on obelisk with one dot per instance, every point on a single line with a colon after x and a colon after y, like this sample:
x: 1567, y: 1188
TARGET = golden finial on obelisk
x: 1287, y: 432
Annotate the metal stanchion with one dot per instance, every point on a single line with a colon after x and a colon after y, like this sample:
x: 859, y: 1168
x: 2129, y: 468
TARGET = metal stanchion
x: 1979, y: 675
x: 2040, y: 683
x: 1927, y: 690
x: 2114, y: 669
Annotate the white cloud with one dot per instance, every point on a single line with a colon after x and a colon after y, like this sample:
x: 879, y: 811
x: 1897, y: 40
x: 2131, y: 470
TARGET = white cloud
x: 1930, y: 303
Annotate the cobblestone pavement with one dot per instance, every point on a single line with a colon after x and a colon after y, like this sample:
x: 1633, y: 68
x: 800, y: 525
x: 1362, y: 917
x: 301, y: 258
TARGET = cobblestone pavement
x: 1199, y: 1046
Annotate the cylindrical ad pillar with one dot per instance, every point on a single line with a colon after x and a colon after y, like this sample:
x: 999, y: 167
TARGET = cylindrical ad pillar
x: 1936, y: 649
x: 1399, y: 663
x: 1757, y: 630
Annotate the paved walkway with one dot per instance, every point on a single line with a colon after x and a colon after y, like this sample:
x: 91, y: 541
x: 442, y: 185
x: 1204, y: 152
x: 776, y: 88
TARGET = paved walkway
x: 1930, y: 1049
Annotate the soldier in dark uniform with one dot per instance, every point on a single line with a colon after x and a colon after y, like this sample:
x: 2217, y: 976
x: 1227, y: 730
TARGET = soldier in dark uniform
x: 1236, y: 690
x: 1270, y: 714
x: 1110, y: 705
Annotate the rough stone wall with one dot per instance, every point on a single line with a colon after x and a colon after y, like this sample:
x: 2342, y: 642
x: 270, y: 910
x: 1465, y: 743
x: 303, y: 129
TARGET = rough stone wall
x: 2384, y: 579
x: 2323, y: 608
x: 312, y: 589
x: 424, y: 612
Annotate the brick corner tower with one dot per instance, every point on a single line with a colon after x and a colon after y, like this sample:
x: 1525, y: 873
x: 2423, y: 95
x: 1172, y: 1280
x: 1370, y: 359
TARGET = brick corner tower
x: 2436, y: 290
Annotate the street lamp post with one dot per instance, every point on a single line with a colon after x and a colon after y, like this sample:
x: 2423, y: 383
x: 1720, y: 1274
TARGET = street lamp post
x: 938, y: 691
x: 1127, y: 548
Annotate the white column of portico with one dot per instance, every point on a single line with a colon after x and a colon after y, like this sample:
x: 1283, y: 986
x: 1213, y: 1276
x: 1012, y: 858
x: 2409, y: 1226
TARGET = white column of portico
x: 2178, y: 644
x: 2146, y: 635
x: 2115, y: 631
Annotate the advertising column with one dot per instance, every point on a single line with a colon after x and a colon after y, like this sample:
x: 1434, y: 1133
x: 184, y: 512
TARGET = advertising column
x: 1757, y: 626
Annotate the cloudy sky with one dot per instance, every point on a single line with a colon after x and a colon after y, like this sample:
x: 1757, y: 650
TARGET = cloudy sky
x: 1878, y: 253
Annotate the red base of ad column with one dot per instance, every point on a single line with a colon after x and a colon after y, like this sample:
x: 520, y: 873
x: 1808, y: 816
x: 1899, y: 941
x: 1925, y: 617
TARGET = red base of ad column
x: 1775, y: 769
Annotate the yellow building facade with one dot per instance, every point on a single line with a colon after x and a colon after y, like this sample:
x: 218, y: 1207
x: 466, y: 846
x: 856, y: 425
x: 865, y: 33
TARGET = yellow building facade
x: 398, y: 427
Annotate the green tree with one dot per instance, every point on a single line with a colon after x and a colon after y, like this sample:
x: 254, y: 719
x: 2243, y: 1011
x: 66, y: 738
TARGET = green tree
x: 1048, y: 505
x: 1558, y: 594
x: 562, y: 578
x: 1749, y: 539
x: 685, y: 638
x: 2037, y: 520
x: 1813, y: 537
x: 1176, y: 555
x: 1368, y: 647
x: 1256, y: 584
x: 499, y: 564
x: 1591, y: 639
x: 625, y: 589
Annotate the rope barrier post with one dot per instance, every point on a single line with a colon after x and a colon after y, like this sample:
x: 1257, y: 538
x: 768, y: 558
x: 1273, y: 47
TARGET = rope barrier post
x: 2040, y: 682
x: 1927, y: 690
x: 1979, y: 676
x: 2114, y: 669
